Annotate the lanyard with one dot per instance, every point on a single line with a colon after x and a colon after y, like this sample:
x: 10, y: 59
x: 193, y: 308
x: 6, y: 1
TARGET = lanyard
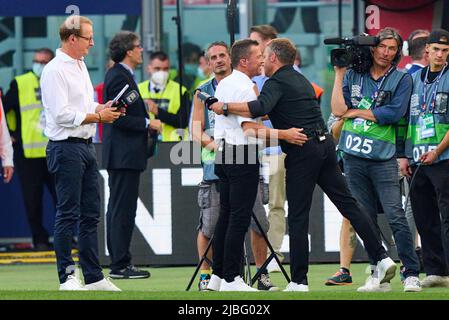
x: 434, y: 92
x: 379, y: 84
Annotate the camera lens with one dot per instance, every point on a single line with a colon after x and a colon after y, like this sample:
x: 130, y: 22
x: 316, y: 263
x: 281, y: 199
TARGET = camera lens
x: 340, y: 58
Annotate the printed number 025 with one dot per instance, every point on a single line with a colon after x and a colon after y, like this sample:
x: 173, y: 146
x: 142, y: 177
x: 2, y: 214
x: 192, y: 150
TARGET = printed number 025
x: 358, y: 145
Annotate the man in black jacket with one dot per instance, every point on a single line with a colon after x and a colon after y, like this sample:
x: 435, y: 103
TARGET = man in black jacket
x: 124, y: 156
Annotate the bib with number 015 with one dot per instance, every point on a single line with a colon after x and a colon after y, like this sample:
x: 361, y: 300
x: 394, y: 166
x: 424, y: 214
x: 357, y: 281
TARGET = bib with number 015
x: 365, y: 103
x: 426, y: 125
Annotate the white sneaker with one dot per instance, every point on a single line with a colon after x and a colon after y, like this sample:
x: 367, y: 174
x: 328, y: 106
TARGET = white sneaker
x: 103, y: 285
x: 273, y: 266
x: 372, y: 285
x: 293, y: 286
x: 72, y: 284
x: 237, y: 285
x: 412, y: 284
x: 214, y: 283
x: 386, y: 269
x: 435, y: 281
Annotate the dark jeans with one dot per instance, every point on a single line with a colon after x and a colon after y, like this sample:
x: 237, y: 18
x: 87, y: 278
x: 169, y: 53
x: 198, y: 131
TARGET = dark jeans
x: 124, y: 192
x: 238, y: 191
x: 74, y: 166
x: 371, y: 180
x: 429, y: 195
x: 316, y: 163
x: 34, y: 176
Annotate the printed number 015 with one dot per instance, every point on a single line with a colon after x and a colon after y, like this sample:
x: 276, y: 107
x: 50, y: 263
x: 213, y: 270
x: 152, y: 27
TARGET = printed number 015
x: 358, y: 145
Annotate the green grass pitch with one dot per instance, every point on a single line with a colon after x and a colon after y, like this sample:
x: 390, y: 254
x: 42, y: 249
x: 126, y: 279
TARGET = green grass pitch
x: 39, y: 282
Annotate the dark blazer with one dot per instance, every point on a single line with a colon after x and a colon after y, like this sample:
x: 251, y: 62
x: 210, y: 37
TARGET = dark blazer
x: 124, y: 141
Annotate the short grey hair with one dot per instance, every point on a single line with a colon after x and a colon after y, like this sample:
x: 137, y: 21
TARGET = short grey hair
x: 284, y: 50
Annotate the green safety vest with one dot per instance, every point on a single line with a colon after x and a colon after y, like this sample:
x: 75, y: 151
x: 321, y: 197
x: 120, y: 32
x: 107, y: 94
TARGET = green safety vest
x: 169, y: 100
x: 31, y: 112
x: 415, y: 146
x: 367, y: 139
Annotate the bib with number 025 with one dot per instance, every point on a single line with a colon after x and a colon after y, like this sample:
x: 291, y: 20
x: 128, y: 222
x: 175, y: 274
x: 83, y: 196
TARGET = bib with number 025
x: 367, y: 139
x: 426, y: 125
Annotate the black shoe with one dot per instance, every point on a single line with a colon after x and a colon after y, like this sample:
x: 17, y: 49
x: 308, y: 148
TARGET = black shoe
x: 264, y: 283
x: 130, y: 272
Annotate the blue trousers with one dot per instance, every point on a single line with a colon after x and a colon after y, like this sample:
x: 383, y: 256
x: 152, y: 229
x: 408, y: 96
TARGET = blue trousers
x: 369, y: 180
x: 74, y: 167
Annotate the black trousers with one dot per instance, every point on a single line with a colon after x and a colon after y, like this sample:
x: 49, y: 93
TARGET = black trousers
x: 34, y: 176
x: 121, y: 214
x: 316, y: 163
x: 429, y: 195
x: 238, y: 190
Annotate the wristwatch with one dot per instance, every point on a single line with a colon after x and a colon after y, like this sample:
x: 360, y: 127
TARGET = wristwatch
x: 225, y: 109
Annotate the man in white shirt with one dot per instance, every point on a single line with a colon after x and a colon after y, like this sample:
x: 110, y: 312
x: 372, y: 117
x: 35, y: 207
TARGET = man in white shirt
x: 6, y: 150
x: 71, y: 117
x: 237, y: 166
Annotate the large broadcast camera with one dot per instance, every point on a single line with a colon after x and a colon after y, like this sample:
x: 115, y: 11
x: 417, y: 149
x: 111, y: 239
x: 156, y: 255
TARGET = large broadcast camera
x: 356, y: 53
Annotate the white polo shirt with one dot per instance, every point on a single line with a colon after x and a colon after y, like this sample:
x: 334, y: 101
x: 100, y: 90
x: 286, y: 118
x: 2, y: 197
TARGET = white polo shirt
x: 237, y: 87
x: 67, y: 97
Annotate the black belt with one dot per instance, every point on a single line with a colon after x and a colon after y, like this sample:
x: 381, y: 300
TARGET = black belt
x: 76, y: 140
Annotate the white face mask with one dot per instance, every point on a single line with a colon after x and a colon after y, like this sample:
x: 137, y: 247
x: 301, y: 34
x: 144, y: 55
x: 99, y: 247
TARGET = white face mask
x: 160, y: 78
x: 37, y: 68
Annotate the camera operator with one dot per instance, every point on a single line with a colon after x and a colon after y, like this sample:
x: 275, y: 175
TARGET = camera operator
x: 290, y: 102
x: 371, y: 103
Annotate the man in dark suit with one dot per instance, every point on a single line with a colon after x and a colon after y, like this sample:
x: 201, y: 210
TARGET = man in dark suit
x: 124, y: 153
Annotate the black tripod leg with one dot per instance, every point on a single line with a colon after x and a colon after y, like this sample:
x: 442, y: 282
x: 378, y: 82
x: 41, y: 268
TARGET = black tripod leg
x: 203, y: 258
x: 272, y: 255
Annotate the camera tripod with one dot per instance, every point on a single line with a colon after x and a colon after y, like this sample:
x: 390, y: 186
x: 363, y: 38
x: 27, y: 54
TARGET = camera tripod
x: 245, y: 260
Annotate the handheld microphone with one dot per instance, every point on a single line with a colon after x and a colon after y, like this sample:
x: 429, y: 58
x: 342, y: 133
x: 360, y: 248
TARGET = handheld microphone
x: 207, y: 99
x: 127, y: 100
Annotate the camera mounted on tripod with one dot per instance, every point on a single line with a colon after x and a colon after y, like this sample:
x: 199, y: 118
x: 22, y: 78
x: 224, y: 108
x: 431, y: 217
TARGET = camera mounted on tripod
x: 355, y: 53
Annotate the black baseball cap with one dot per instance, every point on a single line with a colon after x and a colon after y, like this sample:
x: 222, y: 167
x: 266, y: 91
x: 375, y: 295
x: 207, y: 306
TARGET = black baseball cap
x: 439, y: 36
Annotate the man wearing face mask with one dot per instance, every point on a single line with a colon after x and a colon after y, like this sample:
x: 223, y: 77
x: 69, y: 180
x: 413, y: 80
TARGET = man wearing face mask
x: 23, y: 105
x: 162, y: 98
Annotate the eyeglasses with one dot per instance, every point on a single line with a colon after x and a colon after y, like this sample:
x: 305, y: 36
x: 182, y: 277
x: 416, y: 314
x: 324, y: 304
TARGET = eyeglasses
x: 90, y: 39
x: 137, y: 46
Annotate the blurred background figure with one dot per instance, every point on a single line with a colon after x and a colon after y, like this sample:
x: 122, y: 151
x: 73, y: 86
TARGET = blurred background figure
x: 416, y: 49
x: 26, y: 120
x: 162, y: 98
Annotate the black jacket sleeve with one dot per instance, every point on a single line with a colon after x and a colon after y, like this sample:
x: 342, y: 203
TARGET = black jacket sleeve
x: 129, y: 121
x: 267, y: 100
x: 181, y: 118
